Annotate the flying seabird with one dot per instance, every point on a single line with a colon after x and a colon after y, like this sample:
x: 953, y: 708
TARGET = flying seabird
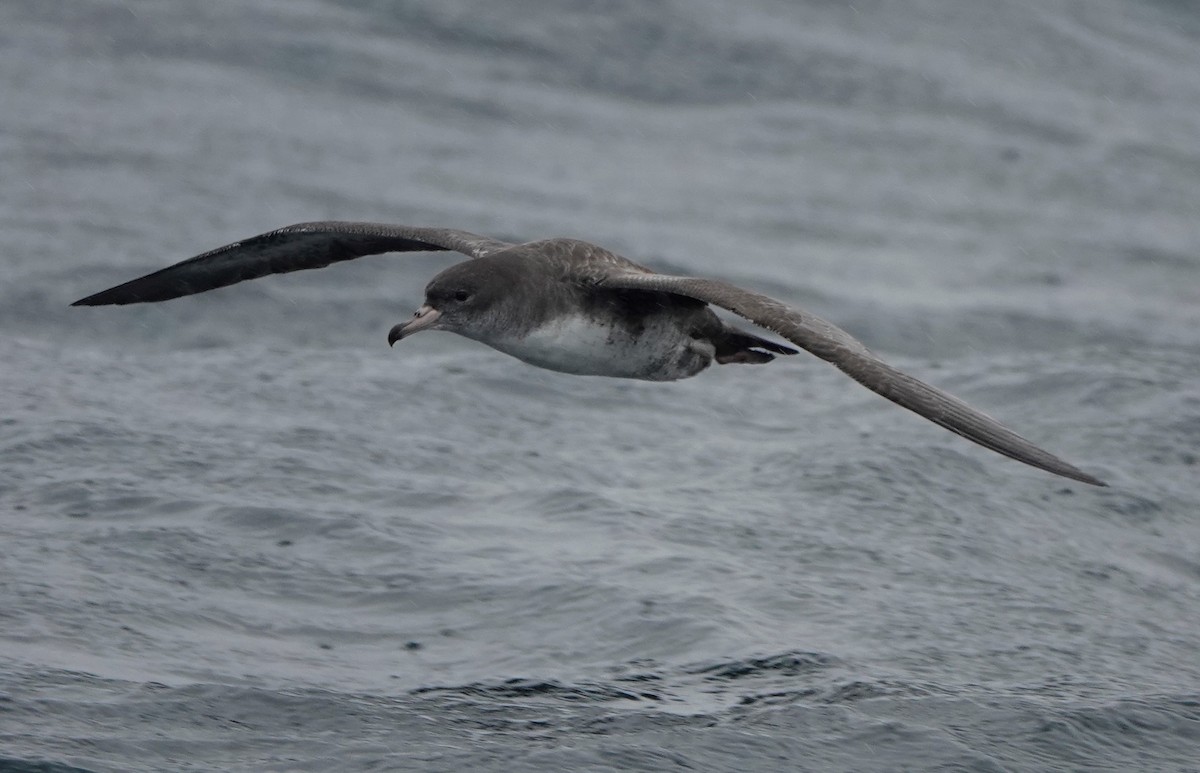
x: 574, y: 307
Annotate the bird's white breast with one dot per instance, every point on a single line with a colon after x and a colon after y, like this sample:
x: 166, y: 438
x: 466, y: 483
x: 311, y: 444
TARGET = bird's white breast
x: 659, y: 351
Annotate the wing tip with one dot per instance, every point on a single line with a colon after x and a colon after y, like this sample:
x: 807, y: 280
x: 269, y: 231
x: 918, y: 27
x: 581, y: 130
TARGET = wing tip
x: 138, y: 291
x: 104, y: 298
x: 1091, y: 480
x: 1069, y: 471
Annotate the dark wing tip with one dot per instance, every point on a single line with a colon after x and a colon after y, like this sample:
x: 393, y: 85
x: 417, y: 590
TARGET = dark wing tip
x: 99, y: 299
x: 147, y: 289
x: 1091, y: 480
x: 1062, y: 468
x: 94, y: 300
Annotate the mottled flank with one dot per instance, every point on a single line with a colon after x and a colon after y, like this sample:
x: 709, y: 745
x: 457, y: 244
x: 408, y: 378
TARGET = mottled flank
x: 241, y: 534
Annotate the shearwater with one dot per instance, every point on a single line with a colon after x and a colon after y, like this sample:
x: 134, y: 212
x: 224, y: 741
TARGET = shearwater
x: 574, y: 307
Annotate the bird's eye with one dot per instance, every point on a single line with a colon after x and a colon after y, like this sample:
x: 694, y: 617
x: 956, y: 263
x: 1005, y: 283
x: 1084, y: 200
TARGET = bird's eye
x: 461, y: 295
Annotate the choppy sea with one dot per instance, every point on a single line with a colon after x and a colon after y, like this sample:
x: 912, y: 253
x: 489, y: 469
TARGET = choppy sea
x: 239, y: 533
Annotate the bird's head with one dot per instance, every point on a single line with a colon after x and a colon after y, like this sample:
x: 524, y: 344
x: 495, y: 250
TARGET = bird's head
x: 461, y: 299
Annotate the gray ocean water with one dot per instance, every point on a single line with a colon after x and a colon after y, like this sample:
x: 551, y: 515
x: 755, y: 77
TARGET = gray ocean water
x: 239, y: 533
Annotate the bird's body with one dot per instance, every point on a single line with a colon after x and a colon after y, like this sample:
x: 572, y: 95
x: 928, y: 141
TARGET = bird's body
x: 571, y: 306
x: 554, y: 314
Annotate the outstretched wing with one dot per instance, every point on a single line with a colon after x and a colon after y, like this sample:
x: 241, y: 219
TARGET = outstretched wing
x: 838, y: 347
x: 294, y: 248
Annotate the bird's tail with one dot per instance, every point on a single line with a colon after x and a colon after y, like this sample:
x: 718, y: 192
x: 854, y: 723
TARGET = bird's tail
x: 735, y: 346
